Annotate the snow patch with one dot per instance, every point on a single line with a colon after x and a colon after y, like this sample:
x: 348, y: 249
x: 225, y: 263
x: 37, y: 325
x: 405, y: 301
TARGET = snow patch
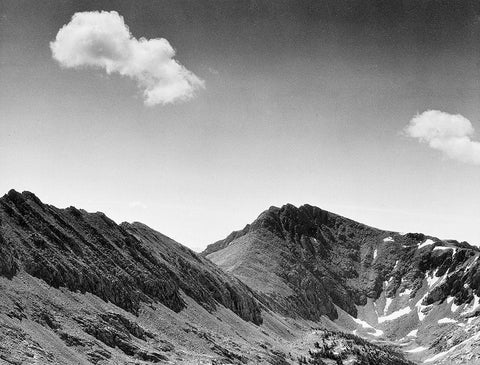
x: 446, y: 320
x: 375, y: 254
x: 395, y: 315
x: 417, y: 349
x: 388, y: 239
x: 386, y: 283
x: 473, y: 307
x: 426, y: 243
x: 406, y: 292
x: 436, y: 357
x: 387, y: 305
x: 433, y: 280
x: 442, y: 248
x: 412, y: 333
x: 362, y: 323
x: 469, y: 266
x: 366, y: 325
x: 472, y: 263
x: 454, y: 307
x: 420, y: 308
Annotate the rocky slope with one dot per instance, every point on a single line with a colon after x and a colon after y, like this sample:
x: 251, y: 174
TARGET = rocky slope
x: 78, y: 288
x: 413, y: 290
x: 125, y: 265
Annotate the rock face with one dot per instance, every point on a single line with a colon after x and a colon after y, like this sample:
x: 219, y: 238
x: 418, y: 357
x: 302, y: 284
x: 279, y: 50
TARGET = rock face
x: 315, y: 255
x: 311, y: 263
x: 124, y: 264
x: 197, y: 277
x: 76, y: 288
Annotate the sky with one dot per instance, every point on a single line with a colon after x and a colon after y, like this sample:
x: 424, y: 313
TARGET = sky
x: 193, y: 117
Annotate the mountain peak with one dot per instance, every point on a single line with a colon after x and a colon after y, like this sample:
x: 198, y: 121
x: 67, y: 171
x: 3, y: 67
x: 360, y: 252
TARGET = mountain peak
x: 323, y: 261
x: 89, y: 252
x: 14, y: 195
x: 290, y: 220
x: 287, y: 220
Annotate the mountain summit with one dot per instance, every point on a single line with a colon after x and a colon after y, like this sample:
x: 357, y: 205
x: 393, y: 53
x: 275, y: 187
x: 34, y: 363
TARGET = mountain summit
x: 385, y: 285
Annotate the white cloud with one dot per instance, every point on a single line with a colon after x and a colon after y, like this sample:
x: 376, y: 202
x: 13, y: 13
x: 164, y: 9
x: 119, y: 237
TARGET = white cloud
x: 448, y: 133
x: 103, y: 40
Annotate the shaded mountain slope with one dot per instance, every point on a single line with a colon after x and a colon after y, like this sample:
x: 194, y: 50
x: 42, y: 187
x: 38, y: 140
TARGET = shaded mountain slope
x: 76, y: 288
x: 40, y: 324
x: 88, y: 252
x: 378, y: 284
x: 197, y: 277
x: 313, y: 255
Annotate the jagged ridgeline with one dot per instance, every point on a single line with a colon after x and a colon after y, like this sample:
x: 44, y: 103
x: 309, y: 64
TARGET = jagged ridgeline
x: 124, y: 264
x: 296, y: 285
x: 412, y: 289
x: 321, y: 261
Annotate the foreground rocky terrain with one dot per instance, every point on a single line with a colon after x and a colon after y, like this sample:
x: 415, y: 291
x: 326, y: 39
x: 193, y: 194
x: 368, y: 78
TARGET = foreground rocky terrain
x: 298, y: 285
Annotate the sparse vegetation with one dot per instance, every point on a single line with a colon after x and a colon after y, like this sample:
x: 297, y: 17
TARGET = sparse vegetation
x: 339, y: 348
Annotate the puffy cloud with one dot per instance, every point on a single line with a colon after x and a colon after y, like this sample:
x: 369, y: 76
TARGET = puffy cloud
x: 448, y: 133
x: 103, y: 40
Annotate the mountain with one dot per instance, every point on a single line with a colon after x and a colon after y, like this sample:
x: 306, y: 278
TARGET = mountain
x: 78, y: 288
x: 414, y: 291
x: 125, y: 265
x: 298, y: 285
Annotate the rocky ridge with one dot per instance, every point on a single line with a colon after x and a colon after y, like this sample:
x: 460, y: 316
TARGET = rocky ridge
x: 380, y: 284
x: 77, y: 288
x: 89, y: 285
x: 88, y: 252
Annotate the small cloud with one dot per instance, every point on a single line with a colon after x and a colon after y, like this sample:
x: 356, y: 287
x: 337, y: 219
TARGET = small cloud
x: 448, y: 133
x: 137, y: 204
x: 103, y: 40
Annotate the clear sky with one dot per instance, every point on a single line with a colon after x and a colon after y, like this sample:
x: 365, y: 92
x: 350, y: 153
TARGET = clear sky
x: 301, y: 102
